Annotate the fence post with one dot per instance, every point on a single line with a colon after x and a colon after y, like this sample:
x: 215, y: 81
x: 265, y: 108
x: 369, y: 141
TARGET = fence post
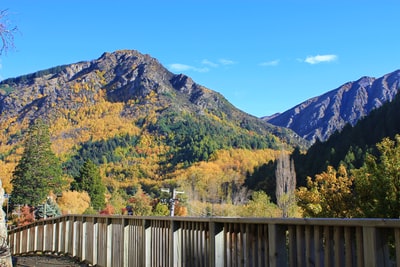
x: 146, y: 245
x: 217, y: 255
x: 376, y: 249
x: 175, y: 244
x: 277, y: 245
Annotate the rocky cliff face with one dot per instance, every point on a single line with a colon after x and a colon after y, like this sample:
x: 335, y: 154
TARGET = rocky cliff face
x: 319, y: 117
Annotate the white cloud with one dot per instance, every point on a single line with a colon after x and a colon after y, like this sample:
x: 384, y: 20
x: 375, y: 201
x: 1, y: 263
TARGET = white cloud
x: 226, y: 61
x: 178, y: 67
x: 209, y: 63
x: 320, y: 58
x: 270, y: 63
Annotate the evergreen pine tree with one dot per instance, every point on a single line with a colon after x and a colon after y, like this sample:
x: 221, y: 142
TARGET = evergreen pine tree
x: 47, y: 210
x: 89, y: 180
x: 39, y: 171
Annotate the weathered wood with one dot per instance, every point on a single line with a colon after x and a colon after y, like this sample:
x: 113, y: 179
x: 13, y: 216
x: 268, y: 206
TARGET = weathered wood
x: 181, y: 241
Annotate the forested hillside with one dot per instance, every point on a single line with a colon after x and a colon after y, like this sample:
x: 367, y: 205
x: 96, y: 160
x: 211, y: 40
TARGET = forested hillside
x: 143, y: 127
x: 113, y: 134
x: 350, y: 145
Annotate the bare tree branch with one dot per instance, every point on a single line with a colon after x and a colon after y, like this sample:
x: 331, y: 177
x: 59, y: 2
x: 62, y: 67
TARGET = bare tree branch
x: 6, y: 32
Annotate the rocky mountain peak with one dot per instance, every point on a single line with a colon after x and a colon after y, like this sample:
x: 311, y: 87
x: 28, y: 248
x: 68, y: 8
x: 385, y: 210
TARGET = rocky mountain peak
x: 321, y: 116
x: 136, y: 81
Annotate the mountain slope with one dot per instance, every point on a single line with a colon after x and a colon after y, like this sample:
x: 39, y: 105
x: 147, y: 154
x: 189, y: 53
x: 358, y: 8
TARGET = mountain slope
x: 135, y: 81
x: 131, y: 116
x: 320, y: 117
x: 349, y: 146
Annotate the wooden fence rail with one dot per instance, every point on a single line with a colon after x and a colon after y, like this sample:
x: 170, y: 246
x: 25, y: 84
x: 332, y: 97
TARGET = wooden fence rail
x: 185, y: 241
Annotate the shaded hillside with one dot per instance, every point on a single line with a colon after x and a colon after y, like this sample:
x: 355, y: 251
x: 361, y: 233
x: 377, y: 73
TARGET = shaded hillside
x: 320, y: 117
x: 350, y: 145
x: 128, y: 113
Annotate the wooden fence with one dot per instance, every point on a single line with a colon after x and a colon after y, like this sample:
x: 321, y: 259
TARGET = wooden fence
x: 186, y: 241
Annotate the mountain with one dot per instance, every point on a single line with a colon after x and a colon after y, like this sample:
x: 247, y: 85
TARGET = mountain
x: 138, y: 82
x: 350, y: 145
x: 321, y: 116
x: 130, y: 115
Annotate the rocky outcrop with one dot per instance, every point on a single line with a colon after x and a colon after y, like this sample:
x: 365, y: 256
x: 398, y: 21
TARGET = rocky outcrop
x: 320, y: 117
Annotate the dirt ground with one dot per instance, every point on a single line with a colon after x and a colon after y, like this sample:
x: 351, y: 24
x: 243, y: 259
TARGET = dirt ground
x: 46, y: 261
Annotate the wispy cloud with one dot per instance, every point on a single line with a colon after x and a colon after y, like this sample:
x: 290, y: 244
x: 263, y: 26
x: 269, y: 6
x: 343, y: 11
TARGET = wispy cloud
x: 205, y: 65
x: 209, y: 63
x: 182, y: 67
x: 226, y: 61
x: 320, y: 58
x: 270, y: 63
x: 219, y: 62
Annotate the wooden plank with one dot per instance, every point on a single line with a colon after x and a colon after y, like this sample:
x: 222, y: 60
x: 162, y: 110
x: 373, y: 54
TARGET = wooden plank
x: 318, y: 247
x: 300, y: 245
x: 309, y: 246
x: 369, y: 245
x: 359, y: 247
x: 348, y: 242
x: 277, y: 245
x: 292, y: 245
x: 397, y: 245
x: 338, y: 246
x: 328, y: 247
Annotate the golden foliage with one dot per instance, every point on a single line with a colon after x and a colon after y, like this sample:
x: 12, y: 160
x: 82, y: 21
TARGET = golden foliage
x: 73, y: 202
x: 328, y: 195
x: 6, y: 170
x: 220, y: 180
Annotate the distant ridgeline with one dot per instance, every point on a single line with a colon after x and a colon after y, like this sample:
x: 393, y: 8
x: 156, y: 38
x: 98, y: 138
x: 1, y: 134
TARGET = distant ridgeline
x: 350, y: 145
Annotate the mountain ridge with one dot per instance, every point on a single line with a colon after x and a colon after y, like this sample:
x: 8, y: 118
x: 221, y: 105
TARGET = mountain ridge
x: 321, y: 116
x: 138, y: 82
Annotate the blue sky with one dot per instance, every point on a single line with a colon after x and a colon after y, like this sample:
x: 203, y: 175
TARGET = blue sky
x: 263, y: 56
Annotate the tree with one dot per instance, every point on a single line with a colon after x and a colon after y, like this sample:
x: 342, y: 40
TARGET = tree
x: 161, y: 210
x: 6, y: 32
x: 47, y: 210
x: 260, y: 205
x: 74, y: 202
x: 140, y: 203
x: 89, y: 180
x: 39, y: 171
x: 285, y: 184
x: 23, y: 215
x: 328, y: 195
x: 378, y: 181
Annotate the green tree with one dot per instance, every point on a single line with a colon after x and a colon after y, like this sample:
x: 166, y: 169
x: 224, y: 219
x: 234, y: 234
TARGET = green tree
x: 39, y: 171
x: 378, y: 181
x: 48, y: 209
x: 89, y: 180
x: 260, y: 205
x: 161, y: 210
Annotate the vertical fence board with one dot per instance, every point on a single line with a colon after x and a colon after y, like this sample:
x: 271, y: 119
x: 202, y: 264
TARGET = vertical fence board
x: 277, y: 245
x: 397, y: 245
